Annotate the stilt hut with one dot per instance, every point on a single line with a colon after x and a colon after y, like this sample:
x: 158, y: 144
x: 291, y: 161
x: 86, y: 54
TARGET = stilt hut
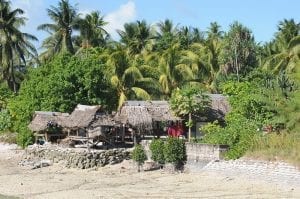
x: 145, y: 117
x: 47, y: 126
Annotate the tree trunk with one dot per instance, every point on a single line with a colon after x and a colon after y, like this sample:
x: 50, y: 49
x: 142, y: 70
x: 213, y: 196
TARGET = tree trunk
x: 190, y: 131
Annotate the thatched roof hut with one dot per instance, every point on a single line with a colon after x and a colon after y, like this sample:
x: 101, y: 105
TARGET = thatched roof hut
x: 82, y: 116
x: 142, y: 114
x: 219, y: 108
x: 42, y: 119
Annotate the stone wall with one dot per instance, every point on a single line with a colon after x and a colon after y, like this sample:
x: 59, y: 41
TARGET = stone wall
x: 199, y: 152
x: 76, y: 158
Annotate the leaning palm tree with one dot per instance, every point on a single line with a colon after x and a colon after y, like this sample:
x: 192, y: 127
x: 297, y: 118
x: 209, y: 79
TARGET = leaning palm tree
x: 15, y: 46
x: 92, y: 32
x: 64, y: 17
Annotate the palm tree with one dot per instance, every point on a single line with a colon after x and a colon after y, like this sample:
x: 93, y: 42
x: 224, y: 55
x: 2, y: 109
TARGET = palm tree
x: 126, y: 78
x: 284, y: 51
x: 15, y: 46
x: 174, y: 73
x: 166, y: 35
x: 92, y: 32
x: 135, y: 36
x: 64, y: 17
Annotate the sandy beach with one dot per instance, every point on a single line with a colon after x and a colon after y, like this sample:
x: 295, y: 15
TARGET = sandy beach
x: 122, y: 181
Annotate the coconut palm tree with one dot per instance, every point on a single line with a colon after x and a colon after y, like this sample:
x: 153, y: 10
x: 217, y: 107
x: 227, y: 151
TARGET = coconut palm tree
x: 135, y: 36
x: 126, y: 77
x: 174, y: 72
x: 284, y: 51
x: 92, y: 32
x: 64, y: 17
x: 15, y: 46
x: 166, y: 35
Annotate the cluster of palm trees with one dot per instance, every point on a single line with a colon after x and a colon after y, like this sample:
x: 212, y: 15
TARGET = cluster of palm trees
x: 149, y: 61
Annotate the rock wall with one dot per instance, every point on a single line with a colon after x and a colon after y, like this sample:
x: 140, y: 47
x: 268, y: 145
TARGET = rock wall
x: 75, y: 158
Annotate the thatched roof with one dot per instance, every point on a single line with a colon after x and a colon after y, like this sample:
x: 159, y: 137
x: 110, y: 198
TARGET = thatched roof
x: 220, y: 103
x: 219, y: 108
x: 104, y: 120
x: 141, y: 114
x: 82, y: 116
x: 41, y: 120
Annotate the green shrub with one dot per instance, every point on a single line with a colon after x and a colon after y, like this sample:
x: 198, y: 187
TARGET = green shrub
x: 25, y: 137
x: 5, y: 120
x: 175, y: 152
x: 157, y: 151
x: 139, y: 155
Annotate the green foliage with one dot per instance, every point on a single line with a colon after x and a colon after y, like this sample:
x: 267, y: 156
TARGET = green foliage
x: 59, y: 86
x: 5, y: 95
x: 239, y: 50
x: 157, y: 151
x: 175, y: 151
x: 139, y: 155
x: 5, y: 120
x: 24, y: 137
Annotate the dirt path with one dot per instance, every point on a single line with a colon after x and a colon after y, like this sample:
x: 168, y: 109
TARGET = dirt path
x: 121, y: 181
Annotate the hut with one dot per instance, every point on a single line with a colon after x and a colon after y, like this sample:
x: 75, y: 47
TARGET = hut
x: 145, y: 117
x: 86, y: 123
x: 47, y: 126
x: 216, y: 112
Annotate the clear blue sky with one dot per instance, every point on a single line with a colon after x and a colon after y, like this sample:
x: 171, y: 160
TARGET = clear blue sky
x: 261, y: 16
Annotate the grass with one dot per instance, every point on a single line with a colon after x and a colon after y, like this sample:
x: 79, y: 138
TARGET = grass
x: 272, y: 147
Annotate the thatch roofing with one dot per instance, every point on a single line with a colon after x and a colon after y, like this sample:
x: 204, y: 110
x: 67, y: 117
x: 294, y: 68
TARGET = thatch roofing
x: 82, y: 116
x: 42, y: 119
x: 220, y: 103
x: 219, y: 108
x: 141, y: 114
x: 104, y: 120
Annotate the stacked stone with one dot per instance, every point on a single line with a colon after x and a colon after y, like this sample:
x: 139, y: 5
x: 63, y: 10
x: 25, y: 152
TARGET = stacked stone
x: 74, y: 158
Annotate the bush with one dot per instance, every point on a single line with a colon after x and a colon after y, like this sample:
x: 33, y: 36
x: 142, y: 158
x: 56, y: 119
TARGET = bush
x: 5, y: 120
x: 157, y: 151
x: 25, y: 137
x: 175, y: 152
x: 139, y: 155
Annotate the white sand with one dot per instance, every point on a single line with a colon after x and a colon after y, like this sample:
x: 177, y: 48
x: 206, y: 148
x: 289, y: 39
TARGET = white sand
x: 121, y: 181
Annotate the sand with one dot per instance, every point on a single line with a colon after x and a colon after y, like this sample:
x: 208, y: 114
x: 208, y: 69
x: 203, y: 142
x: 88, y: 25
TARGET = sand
x: 122, y: 181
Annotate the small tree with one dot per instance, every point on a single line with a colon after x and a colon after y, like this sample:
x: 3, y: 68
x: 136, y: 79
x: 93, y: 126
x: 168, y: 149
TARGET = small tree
x: 139, y: 155
x: 188, y: 101
x: 175, y: 152
x: 157, y: 151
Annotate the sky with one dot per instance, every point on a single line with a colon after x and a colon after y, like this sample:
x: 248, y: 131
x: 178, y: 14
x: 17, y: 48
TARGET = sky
x: 261, y: 16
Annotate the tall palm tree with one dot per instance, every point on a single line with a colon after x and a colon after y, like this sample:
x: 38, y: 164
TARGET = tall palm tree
x: 166, y: 35
x: 126, y: 78
x: 15, y: 46
x: 174, y: 73
x: 64, y: 17
x: 92, y: 32
x: 135, y: 36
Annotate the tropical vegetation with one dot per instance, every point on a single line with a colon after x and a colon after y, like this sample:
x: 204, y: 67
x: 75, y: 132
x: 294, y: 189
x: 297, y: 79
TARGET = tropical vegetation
x: 152, y: 62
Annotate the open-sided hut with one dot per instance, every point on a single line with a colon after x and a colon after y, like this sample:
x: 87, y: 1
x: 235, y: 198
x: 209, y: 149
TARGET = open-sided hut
x: 145, y: 117
x: 48, y: 125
